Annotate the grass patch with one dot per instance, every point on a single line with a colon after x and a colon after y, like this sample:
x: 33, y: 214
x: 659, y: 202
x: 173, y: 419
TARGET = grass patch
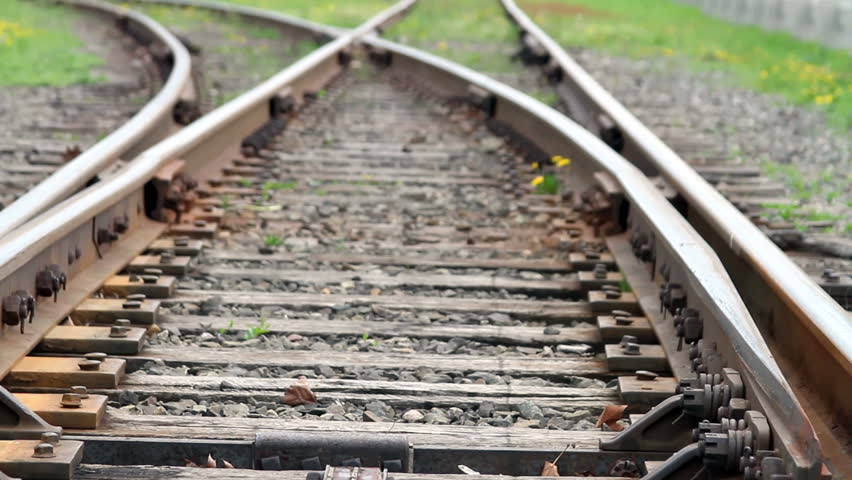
x: 38, y: 46
x: 469, y: 32
x: 804, y: 72
x: 347, y: 13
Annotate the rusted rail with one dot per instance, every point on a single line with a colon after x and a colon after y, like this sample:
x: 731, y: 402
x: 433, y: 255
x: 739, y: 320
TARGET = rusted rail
x: 148, y: 126
x: 810, y: 334
x: 94, y: 234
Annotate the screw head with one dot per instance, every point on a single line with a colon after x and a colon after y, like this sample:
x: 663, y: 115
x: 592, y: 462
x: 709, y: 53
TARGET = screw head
x: 118, y: 332
x: 80, y: 390
x: 71, y: 400
x: 44, y: 450
x: 89, y: 365
x: 645, y: 375
x: 631, y: 349
x: 99, y: 356
x: 50, y: 437
x: 628, y: 339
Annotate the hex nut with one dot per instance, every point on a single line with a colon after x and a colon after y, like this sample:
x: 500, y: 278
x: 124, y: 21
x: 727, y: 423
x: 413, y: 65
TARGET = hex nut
x: 99, y: 356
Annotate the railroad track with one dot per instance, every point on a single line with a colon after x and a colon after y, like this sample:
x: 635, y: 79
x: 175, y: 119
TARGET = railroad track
x: 346, y: 265
x: 781, y: 297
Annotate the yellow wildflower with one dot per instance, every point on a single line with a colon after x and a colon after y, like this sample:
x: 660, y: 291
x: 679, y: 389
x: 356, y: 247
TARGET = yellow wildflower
x: 668, y: 52
x: 555, y: 158
x: 563, y: 162
x: 764, y: 74
x: 537, y: 180
x: 535, y: 166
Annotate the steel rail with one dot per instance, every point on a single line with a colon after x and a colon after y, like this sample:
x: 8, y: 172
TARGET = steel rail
x: 800, y: 320
x: 145, y: 128
x: 693, y: 262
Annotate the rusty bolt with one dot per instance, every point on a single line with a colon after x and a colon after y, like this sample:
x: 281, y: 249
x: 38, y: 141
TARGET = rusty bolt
x: 44, y: 450
x: 625, y: 468
x: 612, y: 294
x: 631, y: 349
x: 80, y: 390
x: 645, y: 375
x: 152, y: 271
x: 628, y: 339
x: 181, y: 241
x: 72, y: 400
x: 149, y: 279
x: 830, y: 275
x: 89, y: 365
x: 136, y: 297
x: 121, y: 224
x: 116, y: 331
x: 131, y: 305
x: 200, y: 223
x: 623, y: 321
x: 99, y: 356
x: 122, y: 322
x: 167, y: 257
x: 50, y: 437
x: 592, y: 255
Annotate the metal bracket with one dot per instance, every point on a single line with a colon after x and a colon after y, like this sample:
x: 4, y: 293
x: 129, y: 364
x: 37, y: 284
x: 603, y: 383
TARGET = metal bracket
x: 349, y: 473
x: 17, y: 422
x: 17, y: 308
x: 728, y: 446
x: 316, y: 451
x: 668, y: 426
x: 170, y: 189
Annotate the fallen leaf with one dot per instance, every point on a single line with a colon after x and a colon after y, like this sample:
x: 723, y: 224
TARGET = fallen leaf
x: 189, y: 463
x: 467, y: 470
x: 549, y: 470
x: 299, y: 394
x: 227, y: 464
x: 211, y: 462
x: 610, y: 417
x: 376, y: 291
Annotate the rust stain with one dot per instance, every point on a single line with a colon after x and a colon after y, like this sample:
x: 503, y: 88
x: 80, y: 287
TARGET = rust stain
x: 562, y: 8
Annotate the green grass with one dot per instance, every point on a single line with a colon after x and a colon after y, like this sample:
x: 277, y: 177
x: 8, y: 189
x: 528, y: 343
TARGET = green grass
x: 38, y: 46
x: 273, y: 241
x: 342, y: 13
x: 464, y: 31
x: 804, y: 72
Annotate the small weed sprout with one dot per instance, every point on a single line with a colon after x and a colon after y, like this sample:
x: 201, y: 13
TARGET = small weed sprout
x: 228, y: 328
x: 273, y: 241
x: 246, y: 182
x: 271, y: 186
x: 256, y: 331
x: 225, y: 202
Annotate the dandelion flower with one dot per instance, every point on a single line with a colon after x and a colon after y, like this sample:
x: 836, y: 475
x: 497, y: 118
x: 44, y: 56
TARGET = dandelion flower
x: 537, y: 180
x: 535, y: 166
x: 563, y: 162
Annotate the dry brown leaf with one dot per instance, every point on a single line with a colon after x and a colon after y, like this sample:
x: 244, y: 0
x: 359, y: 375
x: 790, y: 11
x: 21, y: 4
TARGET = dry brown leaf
x: 189, y: 463
x: 211, y: 462
x: 610, y: 417
x: 227, y: 464
x: 376, y: 291
x: 549, y: 470
x: 299, y: 394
